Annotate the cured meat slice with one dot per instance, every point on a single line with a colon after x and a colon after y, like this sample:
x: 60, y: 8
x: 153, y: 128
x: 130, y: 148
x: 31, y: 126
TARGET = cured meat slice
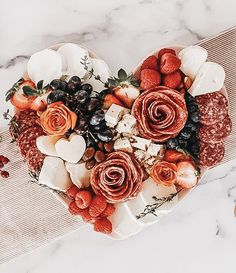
x: 216, y: 132
x: 21, y: 121
x: 161, y: 113
x: 34, y: 159
x: 118, y: 178
x: 213, y: 107
x: 27, y: 138
x: 211, y: 154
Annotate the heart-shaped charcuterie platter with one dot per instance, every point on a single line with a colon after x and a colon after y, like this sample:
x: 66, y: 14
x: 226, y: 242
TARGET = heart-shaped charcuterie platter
x: 120, y: 152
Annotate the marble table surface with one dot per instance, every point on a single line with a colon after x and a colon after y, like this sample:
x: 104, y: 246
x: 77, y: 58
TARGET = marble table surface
x: 200, y: 234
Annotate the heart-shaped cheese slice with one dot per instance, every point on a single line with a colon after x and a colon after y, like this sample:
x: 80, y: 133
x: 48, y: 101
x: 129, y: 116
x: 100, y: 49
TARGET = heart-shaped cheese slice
x: 210, y: 78
x: 71, y: 149
x: 46, y: 144
x: 54, y: 174
x: 192, y: 58
x: 79, y: 174
x: 45, y: 65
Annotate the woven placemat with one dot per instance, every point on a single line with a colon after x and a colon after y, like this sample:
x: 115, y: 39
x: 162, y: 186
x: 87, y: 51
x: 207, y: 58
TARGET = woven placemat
x: 31, y: 217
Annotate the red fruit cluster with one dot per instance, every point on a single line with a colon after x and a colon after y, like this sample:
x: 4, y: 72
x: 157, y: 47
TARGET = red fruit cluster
x: 3, y: 161
x: 163, y: 69
x: 92, y: 208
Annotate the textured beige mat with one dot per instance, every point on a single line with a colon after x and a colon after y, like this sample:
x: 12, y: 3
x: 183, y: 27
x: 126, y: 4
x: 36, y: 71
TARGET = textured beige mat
x: 30, y: 216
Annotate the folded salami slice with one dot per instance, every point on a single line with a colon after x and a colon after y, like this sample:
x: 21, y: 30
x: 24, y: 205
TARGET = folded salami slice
x: 34, y: 159
x: 161, y: 113
x: 216, y: 132
x: 211, y: 154
x: 118, y: 178
x: 213, y: 107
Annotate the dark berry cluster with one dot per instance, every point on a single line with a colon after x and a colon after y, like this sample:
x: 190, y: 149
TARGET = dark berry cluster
x: 78, y: 98
x: 187, y: 138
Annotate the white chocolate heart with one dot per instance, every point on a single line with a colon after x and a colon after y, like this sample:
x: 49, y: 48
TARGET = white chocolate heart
x: 54, y: 174
x: 46, y: 144
x: 71, y: 149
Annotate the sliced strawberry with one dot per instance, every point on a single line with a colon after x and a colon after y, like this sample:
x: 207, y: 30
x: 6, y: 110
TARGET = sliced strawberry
x: 166, y: 50
x: 172, y: 80
x: 149, y: 78
x: 169, y: 63
x: 39, y: 103
x: 110, y: 99
x: 20, y: 101
x: 150, y: 63
x: 127, y: 95
x: 187, y: 175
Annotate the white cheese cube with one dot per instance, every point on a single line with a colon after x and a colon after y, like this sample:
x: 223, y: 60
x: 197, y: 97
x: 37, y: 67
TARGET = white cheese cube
x: 114, y: 114
x: 140, y: 155
x: 126, y: 125
x: 154, y: 149
x: 140, y: 143
x: 123, y: 144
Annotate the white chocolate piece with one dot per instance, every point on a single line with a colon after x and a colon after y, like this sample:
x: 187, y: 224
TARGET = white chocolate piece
x: 114, y: 114
x: 210, y: 78
x: 123, y: 144
x: 54, y: 174
x: 44, y: 65
x: 192, y: 58
x: 140, y: 143
x: 72, y: 56
x: 46, y: 144
x: 79, y: 175
x: 71, y: 149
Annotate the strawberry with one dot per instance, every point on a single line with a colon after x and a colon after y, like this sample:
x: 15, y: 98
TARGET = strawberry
x: 73, y: 209
x: 103, y: 225
x: 150, y: 63
x: 20, y: 101
x: 28, y: 83
x: 187, y: 175
x: 173, y: 156
x: 172, y: 80
x: 149, y: 78
x: 83, y: 199
x: 166, y: 50
x: 97, y: 206
x: 110, y: 99
x: 72, y: 191
x: 169, y: 63
x: 109, y: 210
x: 127, y: 95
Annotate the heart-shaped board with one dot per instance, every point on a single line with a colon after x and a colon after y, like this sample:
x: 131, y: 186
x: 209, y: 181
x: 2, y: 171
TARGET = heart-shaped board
x: 129, y: 209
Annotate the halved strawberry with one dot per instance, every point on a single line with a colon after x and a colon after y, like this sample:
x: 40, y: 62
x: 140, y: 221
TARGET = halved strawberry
x: 166, y: 50
x: 149, y: 78
x: 39, y: 103
x: 174, y: 156
x: 169, y: 63
x: 127, y: 95
x: 110, y: 99
x: 187, y: 175
x: 172, y: 80
x: 20, y: 101
x: 150, y: 63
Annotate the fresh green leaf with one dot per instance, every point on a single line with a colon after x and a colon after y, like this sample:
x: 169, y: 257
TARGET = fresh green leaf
x: 29, y: 91
x: 40, y: 84
x: 122, y: 75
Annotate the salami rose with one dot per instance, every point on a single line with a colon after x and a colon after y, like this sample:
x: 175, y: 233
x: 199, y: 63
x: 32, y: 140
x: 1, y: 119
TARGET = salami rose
x: 161, y: 113
x: 118, y: 178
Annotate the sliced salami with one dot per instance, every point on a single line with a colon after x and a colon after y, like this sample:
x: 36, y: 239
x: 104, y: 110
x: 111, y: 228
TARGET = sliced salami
x: 211, y: 154
x: 27, y: 139
x: 216, y: 132
x: 213, y: 107
x: 34, y: 159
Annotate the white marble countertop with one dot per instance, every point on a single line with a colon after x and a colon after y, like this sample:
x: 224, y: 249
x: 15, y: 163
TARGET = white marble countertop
x: 200, y: 234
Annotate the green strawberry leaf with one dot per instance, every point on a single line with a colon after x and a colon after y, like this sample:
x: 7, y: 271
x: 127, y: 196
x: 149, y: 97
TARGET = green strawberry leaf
x: 29, y: 91
x: 40, y: 84
x: 122, y: 75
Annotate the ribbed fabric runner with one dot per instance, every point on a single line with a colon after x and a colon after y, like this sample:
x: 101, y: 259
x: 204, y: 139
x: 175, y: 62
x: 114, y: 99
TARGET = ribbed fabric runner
x: 30, y: 216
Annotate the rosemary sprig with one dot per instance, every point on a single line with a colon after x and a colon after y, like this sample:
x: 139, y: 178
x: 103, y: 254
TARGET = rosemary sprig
x: 13, y: 124
x: 151, y: 209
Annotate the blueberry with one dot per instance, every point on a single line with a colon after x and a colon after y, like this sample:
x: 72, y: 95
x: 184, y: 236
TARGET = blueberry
x: 87, y: 87
x: 189, y: 98
x: 195, y: 116
x: 185, y: 133
x: 183, y: 143
x: 56, y: 95
x: 172, y: 143
x: 192, y: 108
x: 192, y: 126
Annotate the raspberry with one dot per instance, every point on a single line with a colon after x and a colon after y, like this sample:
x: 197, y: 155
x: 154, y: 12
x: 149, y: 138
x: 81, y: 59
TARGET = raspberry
x: 166, y: 50
x: 109, y: 210
x: 83, y: 199
x: 97, y: 206
x: 73, y: 209
x: 172, y: 80
x: 86, y: 216
x: 103, y: 225
x: 72, y: 191
x: 1, y: 165
x: 169, y: 63
x: 149, y: 78
x: 4, y: 174
x: 150, y: 63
